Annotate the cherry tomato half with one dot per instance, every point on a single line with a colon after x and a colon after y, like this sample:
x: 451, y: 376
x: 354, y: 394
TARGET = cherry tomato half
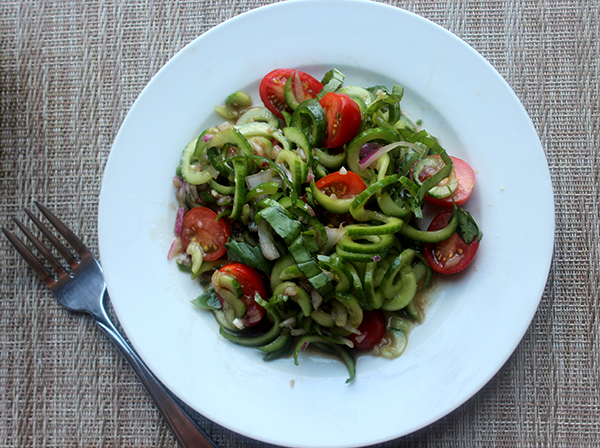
x: 272, y: 93
x: 344, y: 186
x: 466, y: 181
x: 372, y: 329
x: 251, y: 283
x: 449, y: 256
x: 200, y: 225
x: 342, y: 117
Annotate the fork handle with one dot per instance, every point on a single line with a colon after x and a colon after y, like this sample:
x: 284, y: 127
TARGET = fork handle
x: 187, y: 432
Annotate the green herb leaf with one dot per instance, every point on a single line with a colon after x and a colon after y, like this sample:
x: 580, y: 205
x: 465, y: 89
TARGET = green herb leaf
x: 300, y: 250
x: 468, y: 228
x: 332, y: 81
x: 207, y: 300
x: 246, y: 254
x: 286, y: 228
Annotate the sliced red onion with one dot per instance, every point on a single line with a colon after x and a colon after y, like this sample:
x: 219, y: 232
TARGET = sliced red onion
x: 193, y: 192
x: 316, y: 299
x: 252, y: 320
x: 333, y: 236
x: 179, y: 220
x: 261, y: 177
x: 304, y: 346
x: 175, y: 249
x: 310, y: 177
x: 224, y: 126
x: 347, y: 341
x: 267, y: 244
x: 287, y: 172
x: 367, y: 149
x: 207, y: 137
x: 276, y: 149
x: 177, y: 181
x: 298, y: 89
x: 372, y: 157
x: 213, y: 171
x: 180, y: 194
x: 376, y: 258
x: 347, y: 327
x: 291, y: 291
x: 290, y: 323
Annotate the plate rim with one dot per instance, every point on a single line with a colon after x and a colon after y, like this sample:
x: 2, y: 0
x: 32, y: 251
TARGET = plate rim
x: 285, y: 5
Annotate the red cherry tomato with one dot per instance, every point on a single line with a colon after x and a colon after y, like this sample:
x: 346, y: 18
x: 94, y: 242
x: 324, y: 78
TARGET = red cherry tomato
x: 372, y: 329
x: 343, y: 118
x: 344, y: 186
x: 200, y: 225
x: 272, y: 94
x: 251, y: 283
x: 449, y: 256
x: 466, y: 181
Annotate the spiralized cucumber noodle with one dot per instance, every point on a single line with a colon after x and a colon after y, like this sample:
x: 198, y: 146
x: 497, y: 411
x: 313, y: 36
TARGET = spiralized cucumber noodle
x: 327, y: 258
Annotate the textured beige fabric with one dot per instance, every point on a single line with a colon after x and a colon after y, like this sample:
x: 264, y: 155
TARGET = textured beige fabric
x: 69, y: 72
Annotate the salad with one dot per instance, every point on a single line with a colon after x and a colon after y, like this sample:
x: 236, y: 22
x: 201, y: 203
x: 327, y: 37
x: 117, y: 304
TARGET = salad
x: 300, y: 218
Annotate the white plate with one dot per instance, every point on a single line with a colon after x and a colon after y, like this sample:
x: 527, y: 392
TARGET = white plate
x: 475, y: 320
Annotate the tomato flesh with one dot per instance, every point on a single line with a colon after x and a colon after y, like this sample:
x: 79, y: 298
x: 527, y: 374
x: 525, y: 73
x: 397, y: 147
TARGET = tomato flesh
x: 200, y: 225
x: 372, y: 328
x: 251, y: 283
x: 451, y: 255
x: 272, y: 86
x: 342, y: 117
x: 343, y: 186
x: 466, y: 181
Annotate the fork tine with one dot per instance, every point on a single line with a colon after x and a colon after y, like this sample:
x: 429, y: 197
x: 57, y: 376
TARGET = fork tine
x: 39, y: 269
x: 47, y: 255
x: 64, y: 230
x: 59, y: 246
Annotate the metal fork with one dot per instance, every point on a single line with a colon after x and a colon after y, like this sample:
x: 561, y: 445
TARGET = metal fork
x: 85, y: 291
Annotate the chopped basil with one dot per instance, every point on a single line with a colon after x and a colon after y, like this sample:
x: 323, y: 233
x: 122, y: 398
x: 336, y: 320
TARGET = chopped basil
x: 332, y: 81
x: 247, y: 254
x: 468, y: 228
x: 283, y: 225
x: 207, y: 300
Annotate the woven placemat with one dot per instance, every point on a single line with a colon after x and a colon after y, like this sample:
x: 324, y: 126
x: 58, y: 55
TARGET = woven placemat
x: 70, y: 71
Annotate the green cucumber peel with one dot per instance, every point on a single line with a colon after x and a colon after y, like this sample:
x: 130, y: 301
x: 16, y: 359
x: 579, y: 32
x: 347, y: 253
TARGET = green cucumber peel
x: 258, y: 114
x: 298, y: 138
x: 278, y: 344
x: 338, y: 206
x: 288, y: 92
x: 255, y: 341
x: 316, y: 339
x: 301, y: 297
x: 258, y: 129
x: 266, y: 188
x: 191, y: 168
x: 309, y: 117
x: 406, y: 294
x: 430, y: 236
x: 370, y: 135
x: 239, y: 170
x: 330, y: 161
x: 340, y: 272
x: 293, y: 193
